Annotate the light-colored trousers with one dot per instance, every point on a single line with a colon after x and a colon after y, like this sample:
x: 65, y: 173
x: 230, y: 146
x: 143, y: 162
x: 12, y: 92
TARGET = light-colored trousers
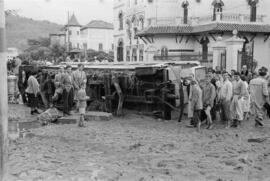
x: 258, y: 111
x: 237, y: 109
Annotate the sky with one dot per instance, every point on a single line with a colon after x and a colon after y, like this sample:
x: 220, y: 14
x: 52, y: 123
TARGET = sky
x: 87, y: 10
x: 57, y: 10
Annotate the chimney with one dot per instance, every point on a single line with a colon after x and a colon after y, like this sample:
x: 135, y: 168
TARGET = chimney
x: 185, y: 5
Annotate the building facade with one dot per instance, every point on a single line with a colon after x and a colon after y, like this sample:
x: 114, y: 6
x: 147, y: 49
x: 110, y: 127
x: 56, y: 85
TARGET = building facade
x: 96, y: 35
x: 158, y: 30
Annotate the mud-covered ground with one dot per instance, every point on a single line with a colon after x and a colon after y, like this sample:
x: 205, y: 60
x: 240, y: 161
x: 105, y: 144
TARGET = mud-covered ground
x: 139, y: 148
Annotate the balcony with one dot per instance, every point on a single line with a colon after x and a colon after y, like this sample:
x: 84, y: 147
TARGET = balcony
x: 166, y: 21
x: 229, y: 18
x: 226, y: 18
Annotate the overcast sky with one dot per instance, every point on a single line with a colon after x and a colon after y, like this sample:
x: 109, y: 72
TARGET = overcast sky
x: 56, y: 10
x: 87, y: 10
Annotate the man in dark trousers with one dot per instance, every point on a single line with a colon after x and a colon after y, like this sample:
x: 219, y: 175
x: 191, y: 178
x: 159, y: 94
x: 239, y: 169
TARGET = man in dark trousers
x: 67, y: 90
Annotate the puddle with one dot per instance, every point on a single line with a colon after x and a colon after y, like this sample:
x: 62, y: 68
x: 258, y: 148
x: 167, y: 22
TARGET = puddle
x: 20, y: 129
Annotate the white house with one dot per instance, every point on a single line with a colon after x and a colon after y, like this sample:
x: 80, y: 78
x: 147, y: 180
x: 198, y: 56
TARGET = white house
x: 187, y: 29
x: 96, y: 35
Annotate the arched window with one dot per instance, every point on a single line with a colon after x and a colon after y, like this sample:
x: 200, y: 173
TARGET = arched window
x: 141, y: 22
x: 120, y: 51
x: 218, y: 6
x: 141, y: 52
x: 134, y: 54
x: 121, y: 19
x: 185, y: 5
x: 128, y: 28
x: 134, y: 21
x: 128, y: 54
x: 164, y: 52
x: 253, y: 9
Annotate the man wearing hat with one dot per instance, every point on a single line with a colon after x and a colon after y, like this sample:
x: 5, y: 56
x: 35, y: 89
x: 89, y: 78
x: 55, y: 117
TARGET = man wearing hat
x: 239, y: 92
x: 259, y: 95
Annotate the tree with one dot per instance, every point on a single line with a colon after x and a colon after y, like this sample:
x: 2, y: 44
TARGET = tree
x: 57, y: 50
x: 41, y: 53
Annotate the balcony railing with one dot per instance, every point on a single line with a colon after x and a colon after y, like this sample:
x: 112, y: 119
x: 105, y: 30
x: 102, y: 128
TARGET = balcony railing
x: 225, y: 17
x: 229, y: 17
x: 166, y: 21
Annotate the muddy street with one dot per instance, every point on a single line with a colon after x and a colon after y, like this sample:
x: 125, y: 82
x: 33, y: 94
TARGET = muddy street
x: 139, y: 148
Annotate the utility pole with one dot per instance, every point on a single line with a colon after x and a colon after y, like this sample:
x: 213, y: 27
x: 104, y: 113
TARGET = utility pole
x: 3, y: 97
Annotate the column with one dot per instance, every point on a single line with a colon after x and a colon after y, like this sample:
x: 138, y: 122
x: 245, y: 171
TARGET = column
x: 233, y: 44
x: 218, y: 48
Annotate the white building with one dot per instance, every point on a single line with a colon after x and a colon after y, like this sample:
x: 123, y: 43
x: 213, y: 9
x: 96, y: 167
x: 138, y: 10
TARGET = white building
x: 96, y: 35
x: 186, y: 30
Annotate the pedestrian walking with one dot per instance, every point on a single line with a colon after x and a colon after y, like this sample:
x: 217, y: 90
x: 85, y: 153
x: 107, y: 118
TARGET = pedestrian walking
x: 22, y: 85
x: 226, y: 94
x: 196, y: 104
x: 209, y: 94
x: 32, y: 92
x: 239, y: 92
x: 259, y: 95
x: 245, y: 102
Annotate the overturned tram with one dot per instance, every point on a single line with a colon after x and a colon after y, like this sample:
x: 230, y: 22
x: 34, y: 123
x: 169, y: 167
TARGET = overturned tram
x: 154, y: 88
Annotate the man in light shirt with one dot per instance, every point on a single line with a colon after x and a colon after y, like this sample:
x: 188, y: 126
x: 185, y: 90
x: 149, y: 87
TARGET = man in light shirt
x: 239, y: 92
x: 226, y: 93
x: 259, y: 96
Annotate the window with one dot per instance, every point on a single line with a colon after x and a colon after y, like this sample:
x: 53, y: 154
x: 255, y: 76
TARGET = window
x: 85, y: 46
x: 120, y: 49
x: 164, y: 52
x: 70, y: 32
x: 100, y: 47
x: 78, y: 32
x: 134, y: 54
x: 135, y: 32
x: 128, y: 54
x: 78, y: 45
x: 141, y: 23
x: 141, y: 55
x: 121, y: 25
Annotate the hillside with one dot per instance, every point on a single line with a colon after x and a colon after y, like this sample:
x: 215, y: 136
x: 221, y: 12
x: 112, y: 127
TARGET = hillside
x: 20, y: 29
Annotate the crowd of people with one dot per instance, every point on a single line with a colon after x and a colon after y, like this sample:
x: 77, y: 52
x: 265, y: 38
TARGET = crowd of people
x: 231, y: 97
x: 67, y: 88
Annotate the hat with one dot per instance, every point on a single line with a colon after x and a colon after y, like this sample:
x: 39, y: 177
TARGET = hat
x: 263, y: 71
x: 237, y: 74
